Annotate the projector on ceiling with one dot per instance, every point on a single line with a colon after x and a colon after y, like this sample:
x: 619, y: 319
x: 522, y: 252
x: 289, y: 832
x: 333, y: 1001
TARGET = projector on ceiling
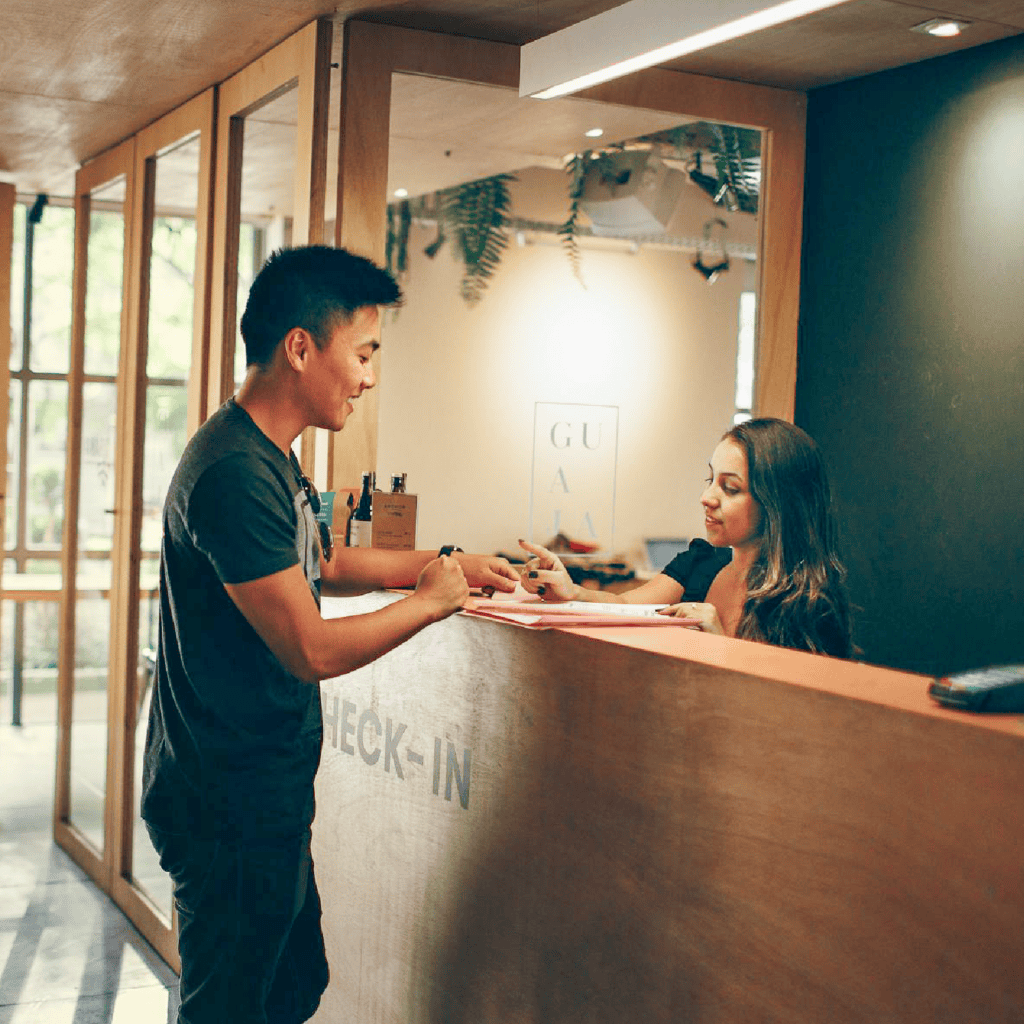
x: 636, y: 196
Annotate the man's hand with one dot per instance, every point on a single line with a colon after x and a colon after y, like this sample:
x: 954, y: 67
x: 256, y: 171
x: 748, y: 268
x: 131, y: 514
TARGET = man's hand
x: 442, y: 585
x: 490, y: 572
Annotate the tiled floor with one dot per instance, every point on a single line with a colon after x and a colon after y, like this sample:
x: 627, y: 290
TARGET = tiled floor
x: 67, y: 954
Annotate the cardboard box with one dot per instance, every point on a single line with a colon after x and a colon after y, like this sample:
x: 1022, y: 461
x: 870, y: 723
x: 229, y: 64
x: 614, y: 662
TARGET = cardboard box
x: 394, y: 521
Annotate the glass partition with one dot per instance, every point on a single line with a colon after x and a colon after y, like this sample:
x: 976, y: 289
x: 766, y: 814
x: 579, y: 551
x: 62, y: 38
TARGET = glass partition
x: 13, y: 476
x: 36, y: 452
x: 96, y: 489
x: 171, y: 212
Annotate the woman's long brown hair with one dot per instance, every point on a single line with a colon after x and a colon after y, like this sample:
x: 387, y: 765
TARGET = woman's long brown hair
x: 796, y: 591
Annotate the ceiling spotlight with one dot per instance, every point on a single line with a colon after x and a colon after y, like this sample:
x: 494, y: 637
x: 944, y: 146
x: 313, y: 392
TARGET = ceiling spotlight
x: 594, y: 133
x: 401, y: 193
x: 944, y: 28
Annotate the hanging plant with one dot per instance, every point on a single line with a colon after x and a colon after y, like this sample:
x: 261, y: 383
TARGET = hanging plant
x: 735, y: 153
x: 737, y: 156
x: 396, y: 245
x: 475, y: 216
x: 578, y: 167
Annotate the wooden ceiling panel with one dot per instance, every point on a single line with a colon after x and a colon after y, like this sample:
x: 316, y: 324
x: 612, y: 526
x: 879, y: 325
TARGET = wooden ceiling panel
x: 1003, y: 12
x: 848, y: 41
x: 77, y: 76
x: 42, y: 140
x: 108, y: 51
x: 502, y: 21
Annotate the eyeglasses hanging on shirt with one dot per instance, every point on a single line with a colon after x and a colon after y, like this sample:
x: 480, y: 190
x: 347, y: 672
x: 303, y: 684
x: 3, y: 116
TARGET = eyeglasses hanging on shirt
x: 315, y: 504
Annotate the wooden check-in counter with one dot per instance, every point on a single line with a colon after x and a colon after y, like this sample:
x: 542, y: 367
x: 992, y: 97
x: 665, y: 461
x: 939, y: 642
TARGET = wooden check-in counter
x: 653, y: 824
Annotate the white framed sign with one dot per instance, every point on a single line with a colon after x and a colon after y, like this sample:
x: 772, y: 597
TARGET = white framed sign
x: 575, y: 457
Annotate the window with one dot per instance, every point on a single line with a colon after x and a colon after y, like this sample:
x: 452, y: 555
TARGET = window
x: 42, y: 265
x: 745, y: 357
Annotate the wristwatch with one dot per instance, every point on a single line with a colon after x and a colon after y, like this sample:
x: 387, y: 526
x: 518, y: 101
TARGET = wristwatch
x: 448, y: 549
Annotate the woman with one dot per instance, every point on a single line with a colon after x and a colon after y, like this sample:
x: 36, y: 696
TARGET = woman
x: 770, y: 571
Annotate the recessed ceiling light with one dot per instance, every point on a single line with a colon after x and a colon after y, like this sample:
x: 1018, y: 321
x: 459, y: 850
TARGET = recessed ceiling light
x: 401, y: 193
x: 944, y: 28
x: 594, y: 133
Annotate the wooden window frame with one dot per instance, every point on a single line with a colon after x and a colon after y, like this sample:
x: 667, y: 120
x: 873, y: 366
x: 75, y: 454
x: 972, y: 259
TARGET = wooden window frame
x: 8, y: 200
x: 98, y: 864
x: 302, y: 61
x: 195, y: 118
x: 135, y: 159
x: 374, y: 52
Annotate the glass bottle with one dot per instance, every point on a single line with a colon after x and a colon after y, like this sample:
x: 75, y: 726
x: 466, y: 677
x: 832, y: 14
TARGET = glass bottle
x: 362, y: 525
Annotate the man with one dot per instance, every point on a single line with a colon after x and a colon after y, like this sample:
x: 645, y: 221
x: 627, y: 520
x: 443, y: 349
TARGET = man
x: 235, y: 728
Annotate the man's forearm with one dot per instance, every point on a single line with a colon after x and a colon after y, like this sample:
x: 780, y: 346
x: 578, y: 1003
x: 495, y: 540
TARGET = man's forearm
x: 360, y: 570
x: 345, y: 644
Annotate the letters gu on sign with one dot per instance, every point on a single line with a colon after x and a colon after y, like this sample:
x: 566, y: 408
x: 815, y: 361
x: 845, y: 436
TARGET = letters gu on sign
x: 575, y: 453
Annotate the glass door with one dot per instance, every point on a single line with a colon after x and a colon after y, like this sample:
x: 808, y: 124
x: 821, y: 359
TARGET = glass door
x: 168, y: 294
x: 93, y: 520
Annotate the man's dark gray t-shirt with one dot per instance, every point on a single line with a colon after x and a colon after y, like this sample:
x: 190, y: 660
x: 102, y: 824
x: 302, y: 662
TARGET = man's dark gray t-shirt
x: 234, y: 739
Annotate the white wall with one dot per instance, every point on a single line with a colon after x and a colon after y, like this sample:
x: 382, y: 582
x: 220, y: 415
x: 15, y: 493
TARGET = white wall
x: 458, y: 385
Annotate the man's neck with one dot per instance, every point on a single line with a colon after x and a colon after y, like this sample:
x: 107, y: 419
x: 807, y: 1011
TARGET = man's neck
x: 268, y: 407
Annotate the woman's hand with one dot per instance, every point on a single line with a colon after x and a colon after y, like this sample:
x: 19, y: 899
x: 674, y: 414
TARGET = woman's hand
x: 545, y: 575
x: 706, y: 614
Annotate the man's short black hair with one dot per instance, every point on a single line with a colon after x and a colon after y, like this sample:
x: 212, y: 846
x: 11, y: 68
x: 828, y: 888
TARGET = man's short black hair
x: 315, y: 287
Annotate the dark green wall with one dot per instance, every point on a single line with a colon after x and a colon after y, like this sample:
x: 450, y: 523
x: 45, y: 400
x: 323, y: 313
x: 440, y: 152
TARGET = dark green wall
x: 911, y: 351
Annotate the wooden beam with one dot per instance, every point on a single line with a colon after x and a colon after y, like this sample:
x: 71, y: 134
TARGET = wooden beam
x: 314, y: 85
x: 314, y: 88
x: 124, y: 556
x: 69, y: 541
x: 124, y: 604
x: 8, y: 195
x: 224, y: 277
x: 778, y: 263
x: 198, y: 380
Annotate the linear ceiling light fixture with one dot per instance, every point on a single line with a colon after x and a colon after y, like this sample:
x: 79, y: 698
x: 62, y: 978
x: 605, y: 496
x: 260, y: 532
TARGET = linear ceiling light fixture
x: 640, y: 34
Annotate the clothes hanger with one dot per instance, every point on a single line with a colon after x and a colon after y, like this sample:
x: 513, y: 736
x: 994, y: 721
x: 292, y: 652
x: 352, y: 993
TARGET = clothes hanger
x: 710, y: 273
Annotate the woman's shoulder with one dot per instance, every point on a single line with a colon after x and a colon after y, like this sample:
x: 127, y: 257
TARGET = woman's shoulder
x: 695, y: 568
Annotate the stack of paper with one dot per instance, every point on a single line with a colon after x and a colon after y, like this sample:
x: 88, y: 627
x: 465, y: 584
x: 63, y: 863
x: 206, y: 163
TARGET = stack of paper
x: 571, y: 614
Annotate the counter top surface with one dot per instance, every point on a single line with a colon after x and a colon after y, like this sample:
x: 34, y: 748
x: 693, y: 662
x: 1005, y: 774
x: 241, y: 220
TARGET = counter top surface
x: 905, y: 691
